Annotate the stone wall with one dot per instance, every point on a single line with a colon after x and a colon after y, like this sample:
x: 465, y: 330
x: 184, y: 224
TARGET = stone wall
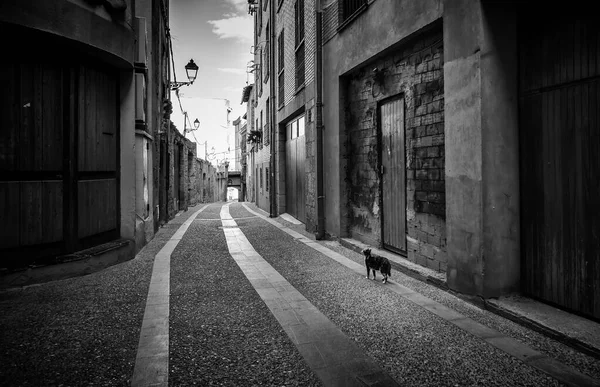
x: 199, y: 180
x: 414, y: 71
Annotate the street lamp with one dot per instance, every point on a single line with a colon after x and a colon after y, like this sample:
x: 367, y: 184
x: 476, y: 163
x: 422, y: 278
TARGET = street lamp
x: 191, y: 70
x: 196, y: 123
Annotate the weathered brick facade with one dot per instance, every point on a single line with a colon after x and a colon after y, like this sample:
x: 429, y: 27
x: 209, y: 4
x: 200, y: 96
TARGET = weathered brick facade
x: 415, y: 71
x: 296, y: 101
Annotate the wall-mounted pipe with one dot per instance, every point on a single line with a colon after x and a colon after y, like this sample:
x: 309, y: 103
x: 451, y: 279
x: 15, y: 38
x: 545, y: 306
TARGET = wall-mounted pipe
x: 319, y: 124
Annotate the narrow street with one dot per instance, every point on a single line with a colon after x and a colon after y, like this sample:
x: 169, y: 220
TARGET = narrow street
x: 223, y: 295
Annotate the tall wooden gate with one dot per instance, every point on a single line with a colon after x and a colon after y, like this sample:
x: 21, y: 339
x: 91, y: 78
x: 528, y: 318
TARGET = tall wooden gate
x: 295, y: 153
x: 58, y: 157
x: 393, y: 175
x: 560, y: 160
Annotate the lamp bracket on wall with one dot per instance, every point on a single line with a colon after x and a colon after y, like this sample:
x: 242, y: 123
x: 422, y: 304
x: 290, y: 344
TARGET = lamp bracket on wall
x: 254, y: 49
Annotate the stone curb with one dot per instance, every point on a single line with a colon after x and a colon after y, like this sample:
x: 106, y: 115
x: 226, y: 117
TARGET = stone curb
x: 73, y: 265
x: 572, y: 342
x: 490, y: 306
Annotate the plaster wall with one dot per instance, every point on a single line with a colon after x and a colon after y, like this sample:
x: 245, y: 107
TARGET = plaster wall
x: 127, y: 150
x: 481, y: 148
x: 93, y: 28
x: 358, y: 43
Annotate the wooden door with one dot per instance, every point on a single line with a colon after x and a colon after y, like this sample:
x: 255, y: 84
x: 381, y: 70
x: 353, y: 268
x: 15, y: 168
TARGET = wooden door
x: 32, y: 168
x: 58, y: 157
x: 560, y: 160
x: 97, y: 182
x: 393, y: 174
x: 295, y: 178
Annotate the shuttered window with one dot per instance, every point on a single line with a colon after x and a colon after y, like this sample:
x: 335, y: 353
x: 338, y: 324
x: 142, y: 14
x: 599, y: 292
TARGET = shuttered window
x: 299, y: 39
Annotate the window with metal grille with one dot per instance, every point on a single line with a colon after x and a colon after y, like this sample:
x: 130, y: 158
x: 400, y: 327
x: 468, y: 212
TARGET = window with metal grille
x: 280, y: 71
x: 347, y: 8
x: 267, y: 179
x: 299, y: 39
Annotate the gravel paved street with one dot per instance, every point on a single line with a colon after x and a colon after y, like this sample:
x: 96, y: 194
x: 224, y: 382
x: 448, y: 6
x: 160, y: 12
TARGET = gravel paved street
x: 222, y: 331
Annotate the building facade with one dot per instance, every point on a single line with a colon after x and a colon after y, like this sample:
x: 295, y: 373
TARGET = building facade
x: 89, y: 163
x: 461, y: 135
x: 69, y: 162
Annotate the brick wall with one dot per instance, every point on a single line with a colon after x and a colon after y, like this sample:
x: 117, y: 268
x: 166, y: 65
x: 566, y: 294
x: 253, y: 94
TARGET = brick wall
x: 330, y: 21
x: 415, y: 71
x: 285, y: 21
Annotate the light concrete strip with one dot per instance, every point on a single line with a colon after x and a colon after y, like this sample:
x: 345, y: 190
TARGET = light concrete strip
x: 507, y: 344
x: 152, y: 360
x: 334, y: 358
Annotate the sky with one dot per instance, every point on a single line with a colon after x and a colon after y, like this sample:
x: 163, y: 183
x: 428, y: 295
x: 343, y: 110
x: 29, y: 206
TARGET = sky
x: 217, y: 35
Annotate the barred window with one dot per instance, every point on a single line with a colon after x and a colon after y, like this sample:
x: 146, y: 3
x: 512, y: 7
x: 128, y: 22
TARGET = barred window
x: 267, y: 179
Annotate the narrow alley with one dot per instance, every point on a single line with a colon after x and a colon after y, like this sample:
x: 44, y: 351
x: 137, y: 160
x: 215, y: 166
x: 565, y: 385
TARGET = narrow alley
x: 224, y: 295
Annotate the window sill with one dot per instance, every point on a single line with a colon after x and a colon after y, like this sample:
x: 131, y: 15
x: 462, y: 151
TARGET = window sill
x: 352, y: 17
x: 300, y: 88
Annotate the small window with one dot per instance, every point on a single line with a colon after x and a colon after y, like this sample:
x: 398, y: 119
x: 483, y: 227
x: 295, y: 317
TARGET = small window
x: 301, y: 126
x: 267, y: 179
x: 294, y: 129
x: 261, y: 177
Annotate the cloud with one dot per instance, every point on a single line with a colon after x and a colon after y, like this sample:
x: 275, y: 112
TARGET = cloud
x: 239, y: 5
x: 236, y: 27
x: 232, y: 70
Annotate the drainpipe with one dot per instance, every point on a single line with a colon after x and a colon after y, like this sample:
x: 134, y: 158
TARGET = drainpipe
x: 272, y: 111
x: 319, y: 124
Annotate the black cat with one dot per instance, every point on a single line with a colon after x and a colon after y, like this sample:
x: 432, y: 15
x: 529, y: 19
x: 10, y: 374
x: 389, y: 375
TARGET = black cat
x: 375, y: 262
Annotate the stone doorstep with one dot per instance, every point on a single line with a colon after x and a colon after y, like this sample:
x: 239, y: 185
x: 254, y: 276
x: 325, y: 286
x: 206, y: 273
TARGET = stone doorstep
x: 71, y: 265
x: 577, y: 332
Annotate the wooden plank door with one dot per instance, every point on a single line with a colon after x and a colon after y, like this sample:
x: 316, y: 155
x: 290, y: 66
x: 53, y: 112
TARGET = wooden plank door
x: 295, y: 148
x: 393, y: 174
x: 559, y: 132
x: 32, y: 168
x: 97, y: 183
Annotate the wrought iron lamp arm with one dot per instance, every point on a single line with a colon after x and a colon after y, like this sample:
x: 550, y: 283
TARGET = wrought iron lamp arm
x: 177, y: 85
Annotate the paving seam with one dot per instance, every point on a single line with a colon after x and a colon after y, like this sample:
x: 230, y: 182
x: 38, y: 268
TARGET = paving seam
x: 496, y: 339
x: 331, y: 354
x: 152, y: 360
